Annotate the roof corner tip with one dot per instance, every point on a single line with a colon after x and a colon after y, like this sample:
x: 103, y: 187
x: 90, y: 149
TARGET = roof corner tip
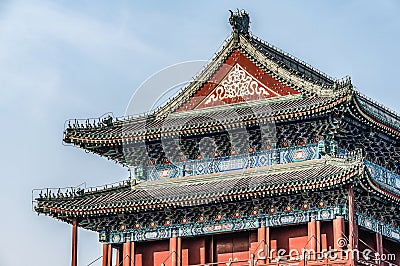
x: 344, y: 83
x: 240, y: 22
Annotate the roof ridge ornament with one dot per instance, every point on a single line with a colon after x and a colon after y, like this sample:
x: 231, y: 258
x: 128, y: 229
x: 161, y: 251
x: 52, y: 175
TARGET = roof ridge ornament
x: 240, y: 22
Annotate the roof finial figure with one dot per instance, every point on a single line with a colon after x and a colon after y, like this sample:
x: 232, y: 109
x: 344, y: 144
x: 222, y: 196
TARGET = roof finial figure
x: 240, y: 21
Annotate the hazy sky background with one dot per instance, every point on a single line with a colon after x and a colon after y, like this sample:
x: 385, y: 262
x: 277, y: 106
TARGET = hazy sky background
x: 64, y: 59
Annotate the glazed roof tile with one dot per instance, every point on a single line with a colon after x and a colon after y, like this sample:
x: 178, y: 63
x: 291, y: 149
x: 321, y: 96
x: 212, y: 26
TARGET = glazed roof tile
x: 291, y: 62
x: 378, y: 111
x: 191, y: 191
x: 290, y: 107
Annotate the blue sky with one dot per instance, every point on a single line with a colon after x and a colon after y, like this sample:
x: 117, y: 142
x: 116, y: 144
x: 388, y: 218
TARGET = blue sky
x: 63, y: 59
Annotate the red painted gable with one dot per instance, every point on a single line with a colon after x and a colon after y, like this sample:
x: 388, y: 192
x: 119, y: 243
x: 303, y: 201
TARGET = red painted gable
x: 238, y: 80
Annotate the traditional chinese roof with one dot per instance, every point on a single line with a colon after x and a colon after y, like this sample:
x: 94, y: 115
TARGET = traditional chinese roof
x: 377, y: 114
x: 208, y: 189
x: 273, y: 86
x: 379, y: 180
x: 190, y: 121
x: 317, y: 183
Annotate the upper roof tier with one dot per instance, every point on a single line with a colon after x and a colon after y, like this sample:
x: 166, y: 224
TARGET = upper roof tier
x: 247, y: 81
x: 240, y: 24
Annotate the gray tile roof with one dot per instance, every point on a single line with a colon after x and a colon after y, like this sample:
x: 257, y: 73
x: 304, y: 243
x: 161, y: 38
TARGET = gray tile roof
x: 191, y: 191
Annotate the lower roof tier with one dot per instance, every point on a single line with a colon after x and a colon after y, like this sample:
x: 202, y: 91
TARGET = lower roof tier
x: 307, y: 187
x: 206, y: 189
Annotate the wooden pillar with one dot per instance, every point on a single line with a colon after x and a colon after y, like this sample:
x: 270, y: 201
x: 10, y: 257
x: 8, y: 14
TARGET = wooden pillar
x: 267, y: 244
x: 351, y: 225
x: 126, y: 255
x: 212, y: 249
x: 338, y: 232
x: 173, y: 245
x: 74, y: 261
x: 132, y: 253
x: 203, y: 252
x: 105, y: 255
x: 351, y: 218
x: 261, y: 233
x: 179, y: 252
x: 318, y: 231
x: 312, y: 238
x: 355, y: 234
x: 379, y: 245
x: 110, y: 254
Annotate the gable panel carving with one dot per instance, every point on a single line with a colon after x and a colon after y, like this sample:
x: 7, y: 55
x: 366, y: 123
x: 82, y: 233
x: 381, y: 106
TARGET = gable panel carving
x: 238, y: 80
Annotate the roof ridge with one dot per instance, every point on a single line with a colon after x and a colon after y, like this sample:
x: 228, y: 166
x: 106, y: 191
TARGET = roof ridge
x: 227, y: 44
x: 292, y: 57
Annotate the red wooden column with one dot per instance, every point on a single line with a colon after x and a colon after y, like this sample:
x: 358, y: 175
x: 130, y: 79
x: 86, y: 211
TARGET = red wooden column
x: 179, y: 251
x: 132, y: 253
x: 312, y: 237
x: 355, y: 234
x: 126, y: 254
x: 379, y: 245
x: 105, y: 255
x: 173, y: 246
x: 318, y: 231
x: 338, y: 232
x: 74, y: 261
x: 110, y: 254
x: 267, y: 244
x: 261, y: 244
x: 203, y: 252
x: 352, y: 226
